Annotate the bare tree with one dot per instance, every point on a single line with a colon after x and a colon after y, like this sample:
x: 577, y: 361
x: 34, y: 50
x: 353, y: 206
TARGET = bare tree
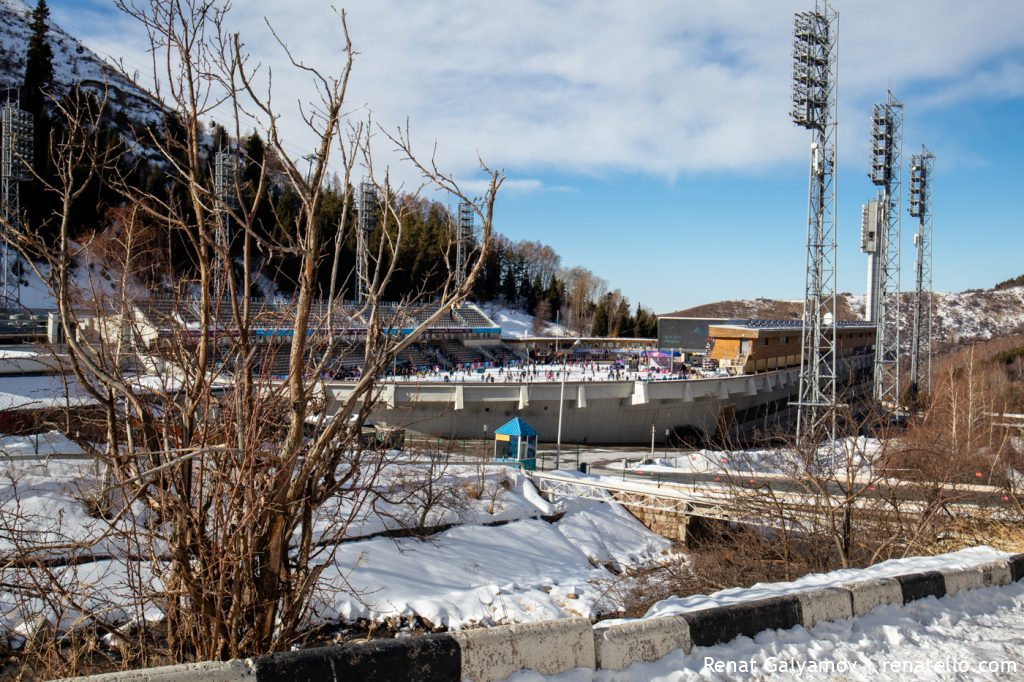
x: 236, y: 467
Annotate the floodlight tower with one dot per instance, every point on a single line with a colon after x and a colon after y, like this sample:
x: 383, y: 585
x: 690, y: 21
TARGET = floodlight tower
x: 463, y: 238
x: 225, y: 169
x: 815, y: 62
x: 15, y: 167
x: 367, y: 221
x: 886, y: 167
x: 921, y: 171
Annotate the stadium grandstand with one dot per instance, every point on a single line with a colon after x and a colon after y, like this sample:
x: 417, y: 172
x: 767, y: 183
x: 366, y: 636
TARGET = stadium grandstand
x: 463, y: 338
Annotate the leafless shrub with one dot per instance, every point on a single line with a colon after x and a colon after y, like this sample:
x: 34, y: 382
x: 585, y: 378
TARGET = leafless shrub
x: 215, y: 477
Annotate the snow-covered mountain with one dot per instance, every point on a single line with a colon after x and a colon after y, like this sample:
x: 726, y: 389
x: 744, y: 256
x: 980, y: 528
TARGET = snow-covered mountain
x: 72, y: 63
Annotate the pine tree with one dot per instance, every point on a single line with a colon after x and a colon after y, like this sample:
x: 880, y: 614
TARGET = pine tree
x: 600, y: 325
x: 39, y: 61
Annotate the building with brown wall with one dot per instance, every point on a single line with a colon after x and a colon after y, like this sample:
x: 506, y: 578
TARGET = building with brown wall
x: 764, y: 345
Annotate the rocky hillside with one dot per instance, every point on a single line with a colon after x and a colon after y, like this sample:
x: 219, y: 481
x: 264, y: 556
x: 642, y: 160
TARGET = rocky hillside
x: 972, y: 314
x: 851, y: 307
x: 72, y: 63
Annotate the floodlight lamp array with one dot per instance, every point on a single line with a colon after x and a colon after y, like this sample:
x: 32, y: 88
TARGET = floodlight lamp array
x: 882, y: 144
x: 18, y: 142
x: 918, y: 186
x: 225, y: 175
x: 465, y: 220
x: 367, y: 207
x: 811, y: 56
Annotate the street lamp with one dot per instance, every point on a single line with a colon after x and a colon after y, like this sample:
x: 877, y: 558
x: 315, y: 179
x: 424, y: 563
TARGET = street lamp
x: 561, y: 402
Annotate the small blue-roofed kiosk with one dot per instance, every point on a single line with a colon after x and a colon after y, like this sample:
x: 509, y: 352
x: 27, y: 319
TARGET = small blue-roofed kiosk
x: 515, y: 444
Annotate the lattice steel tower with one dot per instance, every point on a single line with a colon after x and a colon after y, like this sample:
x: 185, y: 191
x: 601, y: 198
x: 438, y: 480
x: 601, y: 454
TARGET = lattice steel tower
x: 15, y: 167
x: 815, y: 62
x: 225, y: 170
x: 886, y: 168
x: 367, y: 220
x: 921, y: 173
x: 463, y: 240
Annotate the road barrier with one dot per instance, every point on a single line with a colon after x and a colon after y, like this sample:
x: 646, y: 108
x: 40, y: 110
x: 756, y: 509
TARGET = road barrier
x: 554, y: 647
x: 646, y: 640
x: 869, y: 594
x: 549, y: 647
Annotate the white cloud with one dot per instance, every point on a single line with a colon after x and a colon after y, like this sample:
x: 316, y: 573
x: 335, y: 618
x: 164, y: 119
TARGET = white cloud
x: 660, y: 87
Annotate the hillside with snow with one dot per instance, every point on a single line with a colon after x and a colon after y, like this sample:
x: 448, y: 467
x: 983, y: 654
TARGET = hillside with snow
x: 72, y: 63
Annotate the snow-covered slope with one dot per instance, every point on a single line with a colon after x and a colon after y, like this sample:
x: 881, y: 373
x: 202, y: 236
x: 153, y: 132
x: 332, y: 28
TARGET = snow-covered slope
x: 72, y: 63
x: 979, y: 314
x: 515, y: 324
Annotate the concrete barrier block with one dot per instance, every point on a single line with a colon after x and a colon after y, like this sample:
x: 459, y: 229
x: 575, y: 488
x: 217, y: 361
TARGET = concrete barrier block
x: 212, y: 671
x: 428, y: 658
x: 865, y: 595
x: 647, y: 640
x: 725, y: 623
x: 549, y: 647
x: 828, y: 603
x: 920, y: 585
x: 1016, y: 563
x: 960, y: 579
x: 997, y: 573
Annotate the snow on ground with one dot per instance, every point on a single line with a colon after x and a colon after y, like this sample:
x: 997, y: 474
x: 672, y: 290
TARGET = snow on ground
x: 460, y: 494
x: 499, y: 563
x: 526, y: 570
x: 40, y: 444
x: 857, y: 453
x: 515, y: 324
x: 43, y: 391
x: 974, y: 635
x: 979, y: 313
x: 35, y: 295
x: 41, y: 501
x: 522, y: 571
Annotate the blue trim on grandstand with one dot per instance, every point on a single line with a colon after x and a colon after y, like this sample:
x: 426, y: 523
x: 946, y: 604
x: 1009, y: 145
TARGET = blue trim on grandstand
x: 405, y: 331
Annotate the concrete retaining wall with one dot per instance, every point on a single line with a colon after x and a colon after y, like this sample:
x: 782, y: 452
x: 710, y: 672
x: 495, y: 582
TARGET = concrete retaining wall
x: 672, y: 525
x: 554, y: 647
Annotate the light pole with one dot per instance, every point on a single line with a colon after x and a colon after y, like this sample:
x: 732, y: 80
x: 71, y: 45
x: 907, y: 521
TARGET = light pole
x: 561, y: 403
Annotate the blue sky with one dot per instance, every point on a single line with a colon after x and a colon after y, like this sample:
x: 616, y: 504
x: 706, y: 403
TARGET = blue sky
x: 650, y: 141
